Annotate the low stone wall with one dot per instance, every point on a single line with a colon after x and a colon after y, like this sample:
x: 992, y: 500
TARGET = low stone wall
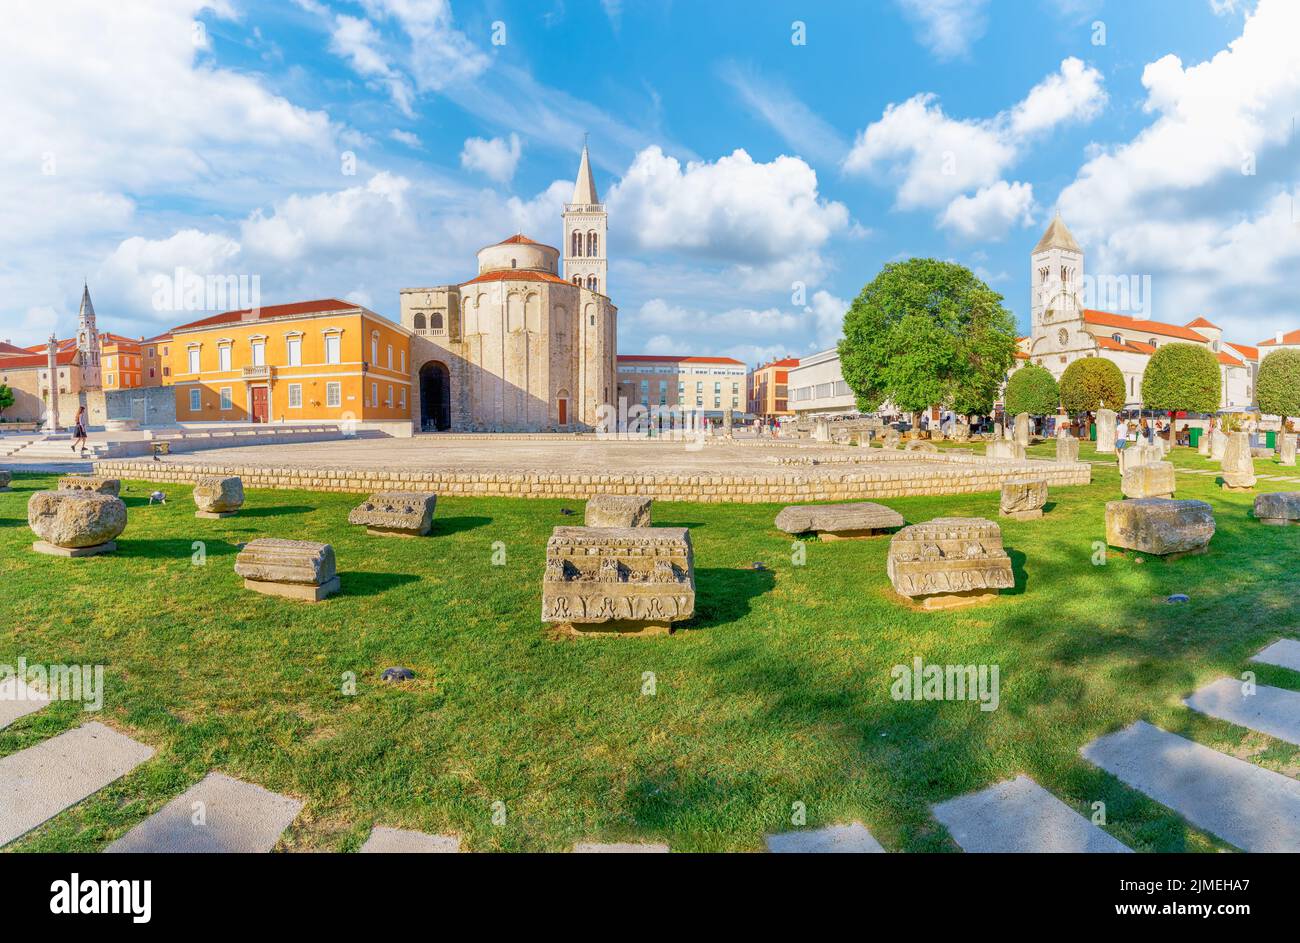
x: 921, y: 477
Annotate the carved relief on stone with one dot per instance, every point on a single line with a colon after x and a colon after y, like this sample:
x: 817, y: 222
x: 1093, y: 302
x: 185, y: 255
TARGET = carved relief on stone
x: 949, y: 557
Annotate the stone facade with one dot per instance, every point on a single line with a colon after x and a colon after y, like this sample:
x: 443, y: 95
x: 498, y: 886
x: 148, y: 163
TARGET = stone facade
x: 75, y: 523
x: 218, y: 496
x: 1159, y: 526
x: 294, y: 569
x: 949, y: 561
x: 1238, y: 464
x: 638, y: 580
x: 839, y: 521
x: 396, y: 513
x: 1152, y: 480
x: 617, y: 510
x: 1023, y: 498
x: 1279, y: 508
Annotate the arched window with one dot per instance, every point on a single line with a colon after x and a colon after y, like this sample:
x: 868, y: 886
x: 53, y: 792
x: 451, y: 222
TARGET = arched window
x: 1117, y: 339
x: 435, y: 321
x: 419, y: 321
x: 577, y: 280
x: 591, y: 282
x: 1151, y: 341
x: 514, y: 263
x: 575, y: 244
x: 593, y: 246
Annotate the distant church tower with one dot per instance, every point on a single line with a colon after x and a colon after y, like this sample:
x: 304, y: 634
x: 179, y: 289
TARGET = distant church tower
x: 1056, y: 279
x: 88, y: 343
x: 585, y: 227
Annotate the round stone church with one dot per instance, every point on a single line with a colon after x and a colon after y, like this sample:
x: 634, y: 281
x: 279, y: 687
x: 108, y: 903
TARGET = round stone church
x: 522, y: 346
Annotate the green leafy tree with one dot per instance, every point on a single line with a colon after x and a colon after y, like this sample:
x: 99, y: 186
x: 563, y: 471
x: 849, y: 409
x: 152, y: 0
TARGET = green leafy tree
x: 1277, y: 387
x: 1090, y: 381
x: 1182, y: 377
x: 926, y: 332
x: 6, y: 398
x: 1032, y: 389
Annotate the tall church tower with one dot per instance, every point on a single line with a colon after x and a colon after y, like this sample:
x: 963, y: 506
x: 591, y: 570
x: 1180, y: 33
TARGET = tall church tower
x: 88, y: 343
x: 585, y: 227
x: 1056, y: 279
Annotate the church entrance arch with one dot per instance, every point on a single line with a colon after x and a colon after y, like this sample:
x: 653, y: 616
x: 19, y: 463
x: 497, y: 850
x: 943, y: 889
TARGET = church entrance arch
x: 435, y: 397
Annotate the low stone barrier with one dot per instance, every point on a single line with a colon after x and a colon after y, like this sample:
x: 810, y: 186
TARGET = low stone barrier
x: 907, y: 475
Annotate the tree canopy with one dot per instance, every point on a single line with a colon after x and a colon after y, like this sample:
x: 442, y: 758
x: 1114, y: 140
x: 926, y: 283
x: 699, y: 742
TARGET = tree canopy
x: 1277, y: 387
x: 1090, y: 381
x: 1182, y: 377
x: 927, y: 332
x: 6, y: 398
x: 1032, y: 389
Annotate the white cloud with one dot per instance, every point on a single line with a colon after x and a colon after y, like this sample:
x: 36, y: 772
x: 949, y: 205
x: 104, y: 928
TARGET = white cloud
x: 796, y: 123
x: 937, y: 161
x: 495, y: 158
x: 357, y: 41
x: 948, y: 28
x: 437, y: 53
x: 991, y: 211
x: 732, y: 209
x: 410, y: 139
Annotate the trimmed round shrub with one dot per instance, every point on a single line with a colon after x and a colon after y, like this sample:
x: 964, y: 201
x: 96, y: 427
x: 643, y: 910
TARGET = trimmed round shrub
x: 1277, y: 387
x: 1182, y: 377
x: 1089, y: 381
x: 1032, y: 389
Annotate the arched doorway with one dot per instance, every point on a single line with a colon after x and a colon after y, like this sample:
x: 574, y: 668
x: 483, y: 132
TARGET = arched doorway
x: 435, y: 397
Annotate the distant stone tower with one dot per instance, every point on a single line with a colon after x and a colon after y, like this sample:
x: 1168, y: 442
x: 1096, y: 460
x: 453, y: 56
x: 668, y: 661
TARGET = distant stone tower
x: 585, y: 228
x: 1057, y: 278
x: 88, y: 343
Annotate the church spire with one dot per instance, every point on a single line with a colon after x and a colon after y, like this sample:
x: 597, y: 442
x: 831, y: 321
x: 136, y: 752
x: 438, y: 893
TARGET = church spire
x: 584, y: 190
x: 1057, y: 236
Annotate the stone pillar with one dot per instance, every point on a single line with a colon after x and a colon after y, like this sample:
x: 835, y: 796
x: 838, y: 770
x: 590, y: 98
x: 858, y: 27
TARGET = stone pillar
x: 52, y: 356
x: 821, y: 429
x: 1218, y: 445
x: 1106, y: 431
x: 1067, y: 449
x: 1021, y: 434
x: 1238, y: 463
x: 1203, y: 446
x: 726, y: 423
x: 1286, y: 448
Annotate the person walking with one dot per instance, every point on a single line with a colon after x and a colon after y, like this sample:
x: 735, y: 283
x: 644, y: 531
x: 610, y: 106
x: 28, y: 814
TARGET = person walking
x: 79, y: 431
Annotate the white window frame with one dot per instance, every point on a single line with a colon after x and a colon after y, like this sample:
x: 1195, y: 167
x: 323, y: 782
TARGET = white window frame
x: 333, y: 340
x: 227, y: 399
x: 295, y: 391
x: 293, y: 350
x: 224, y: 358
x: 193, y: 360
x: 196, y: 400
x: 258, y: 348
x: 334, y: 394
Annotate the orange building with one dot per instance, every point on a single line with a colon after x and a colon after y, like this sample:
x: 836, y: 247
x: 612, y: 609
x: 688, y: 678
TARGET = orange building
x: 768, y: 388
x: 301, y: 362
x: 156, y: 355
x: 121, y: 362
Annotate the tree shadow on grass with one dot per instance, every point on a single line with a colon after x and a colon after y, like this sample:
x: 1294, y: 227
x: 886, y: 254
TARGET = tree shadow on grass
x: 360, y: 583
x: 1018, y: 573
x: 443, y: 526
x: 274, y: 511
x: 171, y: 549
x: 725, y: 595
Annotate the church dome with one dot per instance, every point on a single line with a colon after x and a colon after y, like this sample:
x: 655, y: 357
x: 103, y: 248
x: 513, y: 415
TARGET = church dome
x: 519, y: 253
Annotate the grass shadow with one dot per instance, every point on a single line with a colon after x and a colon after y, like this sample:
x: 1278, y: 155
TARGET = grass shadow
x: 171, y: 549
x: 724, y: 595
x: 443, y: 526
x: 1018, y: 573
x: 275, y: 511
x: 360, y: 583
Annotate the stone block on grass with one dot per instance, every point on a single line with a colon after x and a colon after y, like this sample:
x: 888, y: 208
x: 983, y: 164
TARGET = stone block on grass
x: 1067, y: 449
x: 949, y: 562
x: 854, y: 521
x: 1023, y: 498
x: 218, y: 496
x: 1238, y: 464
x: 1005, y: 450
x: 618, y: 510
x: 294, y: 569
x: 6, y: 477
x: 91, y: 483
x: 1152, y: 480
x: 1279, y: 508
x: 1286, y: 448
x: 396, y: 513
x: 1159, y: 526
x: 75, y: 523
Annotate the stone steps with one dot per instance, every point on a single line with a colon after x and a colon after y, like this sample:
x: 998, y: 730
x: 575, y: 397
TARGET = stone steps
x: 399, y: 841
x: 18, y: 700
x: 219, y: 814
x: 1251, y: 807
x: 618, y: 848
x: 1284, y: 653
x: 1021, y: 816
x: 1274, y: 711
x: 38, y: 783
x: 833, y: 839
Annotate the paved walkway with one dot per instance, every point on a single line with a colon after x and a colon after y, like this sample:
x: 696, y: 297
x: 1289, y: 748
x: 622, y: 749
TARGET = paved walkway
x: 1021, y: 816
x: 834, y: 839
x: 1274, y: 711
x: 18, y: 700
x: 1285, y: 652
x: 398, y: 841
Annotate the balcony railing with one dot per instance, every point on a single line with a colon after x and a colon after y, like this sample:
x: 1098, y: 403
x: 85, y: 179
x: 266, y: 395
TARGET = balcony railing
x: 260, y: 372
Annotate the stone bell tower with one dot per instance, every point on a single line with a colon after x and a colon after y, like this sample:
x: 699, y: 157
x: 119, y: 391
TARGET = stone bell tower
x: 585, y: 228
x: 88, y: 343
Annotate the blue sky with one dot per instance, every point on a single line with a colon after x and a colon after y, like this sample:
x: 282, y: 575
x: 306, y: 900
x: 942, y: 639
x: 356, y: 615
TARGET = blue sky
x: 354, y: 147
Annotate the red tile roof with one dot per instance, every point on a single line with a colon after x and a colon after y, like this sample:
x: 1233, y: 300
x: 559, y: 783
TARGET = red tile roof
x: 1201, y: 322
x: 1092, y: 316
x: 63, y: 358
x: 1250, y: 353
x: 8, y: 348
x: 1229, y: 360
x: 1292, y: 338
x: 517, y: 275
x: 519, y: 240
x: 651, y: 358
x: 1129, y: 347
x: 272, y: 311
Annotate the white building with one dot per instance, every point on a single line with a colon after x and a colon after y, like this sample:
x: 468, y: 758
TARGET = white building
x: 817, y: 387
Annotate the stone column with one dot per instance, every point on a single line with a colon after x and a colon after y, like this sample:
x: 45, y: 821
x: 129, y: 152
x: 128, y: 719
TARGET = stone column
x: 1286, y: 448
x: 1021, y: 433
x: 1238, y: 463
x: 1105, y: 430
x: 52, y: 356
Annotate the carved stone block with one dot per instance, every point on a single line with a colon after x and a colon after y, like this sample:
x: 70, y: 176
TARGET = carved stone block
x: 396, y: 513
x: 1159, y: 526
x: 839, y: 521
x: 93, y: 483
x: 949, y: 561
x: 296, y: 569
x: 618, y: 510
x: 1023, y: 498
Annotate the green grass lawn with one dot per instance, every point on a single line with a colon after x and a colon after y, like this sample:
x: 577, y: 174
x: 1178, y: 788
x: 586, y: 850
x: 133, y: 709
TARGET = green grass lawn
x: 777, y: 693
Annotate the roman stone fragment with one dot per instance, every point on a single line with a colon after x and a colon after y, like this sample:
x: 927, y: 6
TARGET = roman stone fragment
x: 1278, y: 507
x: 396, y: 513
x: 949, y: 561
x: 1067, y: 449
x: 1105, y: 420
x: 891, y: 439
x: 1286, y: 448
x: 618, y: 510
x: 1218, y: 445
x: 1020, y: 435
x: 1159, y: 526
x: 1023, y: 498
x: 217, y: 496
x: 839, y: 521
x: 1151, y: 480
x: 1238, y: 464
x: 1004, y: 450
x: 93, y: 483
x: 75, y: 523
x: 295, y: 569
x: 632, y: 580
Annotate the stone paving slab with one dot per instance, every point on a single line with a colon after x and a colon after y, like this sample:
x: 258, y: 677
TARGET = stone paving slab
x: 38, y: 783
x: 1274, y: 711
x: 236, y: 817
x: 400, y: 841
x: 618, y: 848
x: 834, y: 839
x: 1284, y: 653
x: 1021, y: 816
x: 18, y: 700
x: 1253, y: 808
